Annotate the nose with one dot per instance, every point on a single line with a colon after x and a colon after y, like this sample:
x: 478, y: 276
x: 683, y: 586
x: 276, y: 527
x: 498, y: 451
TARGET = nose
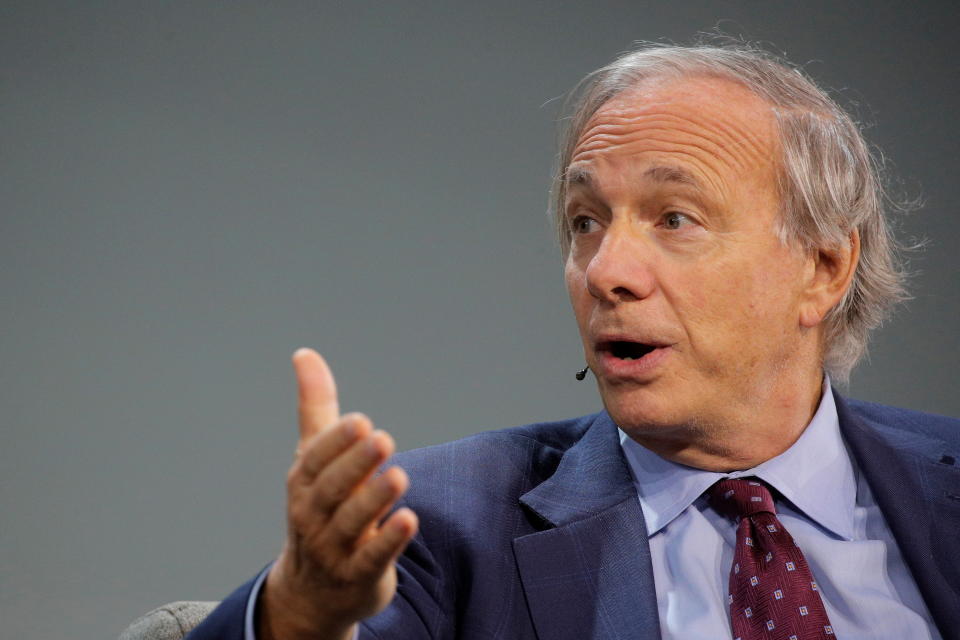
x: 621, y: 268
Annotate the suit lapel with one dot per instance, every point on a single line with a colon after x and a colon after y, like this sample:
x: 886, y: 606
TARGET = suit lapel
x: 588, y: 574
x: 913, y: 490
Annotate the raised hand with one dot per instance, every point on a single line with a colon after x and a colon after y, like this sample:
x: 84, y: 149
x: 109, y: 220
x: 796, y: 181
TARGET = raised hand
x: 337, y: 566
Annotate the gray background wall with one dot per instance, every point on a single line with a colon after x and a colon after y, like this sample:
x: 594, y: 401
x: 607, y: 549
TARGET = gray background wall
x: 191, y: 190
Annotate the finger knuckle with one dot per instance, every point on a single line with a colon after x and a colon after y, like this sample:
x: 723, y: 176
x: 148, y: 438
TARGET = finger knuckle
x: 347, y: 529
x: 332, y: 493
x: 299, y: 520
x: 293, y: 476
x: 367, y: 566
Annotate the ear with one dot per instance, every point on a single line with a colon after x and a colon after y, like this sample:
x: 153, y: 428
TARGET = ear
x: 831, y: 273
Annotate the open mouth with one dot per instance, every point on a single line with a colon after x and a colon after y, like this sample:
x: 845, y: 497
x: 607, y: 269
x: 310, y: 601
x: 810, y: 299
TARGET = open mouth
x: 626, y: 350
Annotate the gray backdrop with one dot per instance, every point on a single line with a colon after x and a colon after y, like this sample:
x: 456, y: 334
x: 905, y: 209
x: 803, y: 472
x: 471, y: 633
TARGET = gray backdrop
x: 191, y: 190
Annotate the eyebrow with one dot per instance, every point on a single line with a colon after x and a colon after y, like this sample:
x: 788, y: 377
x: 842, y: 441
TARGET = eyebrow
x: 577, y: 175
x: 671, y: 174
x: 660, y: 173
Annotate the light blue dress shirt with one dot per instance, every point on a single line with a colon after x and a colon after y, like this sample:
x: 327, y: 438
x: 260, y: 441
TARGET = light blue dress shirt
x: 867, y: 589
x: 865, y: 585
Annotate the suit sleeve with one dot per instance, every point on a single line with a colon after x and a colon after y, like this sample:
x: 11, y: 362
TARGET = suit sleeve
x: 420, y: 610
x: 416, y: 612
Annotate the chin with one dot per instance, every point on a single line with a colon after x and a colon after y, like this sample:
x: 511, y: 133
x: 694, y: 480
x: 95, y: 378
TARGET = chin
x: 643, y: 410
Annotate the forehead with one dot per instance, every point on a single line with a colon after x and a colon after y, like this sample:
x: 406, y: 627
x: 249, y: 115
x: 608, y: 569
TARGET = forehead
x: 711, y: 130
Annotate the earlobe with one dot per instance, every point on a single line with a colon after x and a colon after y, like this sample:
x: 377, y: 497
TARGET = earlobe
x: 833, y: 271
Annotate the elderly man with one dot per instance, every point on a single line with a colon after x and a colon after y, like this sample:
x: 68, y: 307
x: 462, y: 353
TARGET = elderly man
x: 726, y: 256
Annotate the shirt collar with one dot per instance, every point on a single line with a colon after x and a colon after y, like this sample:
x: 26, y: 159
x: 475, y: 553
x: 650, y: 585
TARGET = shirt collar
x: 815, y: 474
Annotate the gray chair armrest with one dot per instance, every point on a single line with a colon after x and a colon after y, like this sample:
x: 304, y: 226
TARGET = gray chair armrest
x: 170, y: 622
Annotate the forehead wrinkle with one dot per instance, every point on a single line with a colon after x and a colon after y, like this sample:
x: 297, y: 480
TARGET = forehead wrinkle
x: 701, y: 165
x: 711, y: 178
x: 724, y: 133
x: 756, y: 144
x: 692, y: 180
x: 684, y: 98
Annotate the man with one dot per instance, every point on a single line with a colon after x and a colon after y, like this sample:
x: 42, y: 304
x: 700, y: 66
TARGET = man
x: 725, y: 248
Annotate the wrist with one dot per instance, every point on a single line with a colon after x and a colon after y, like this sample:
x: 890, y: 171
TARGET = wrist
x: 281, y: 614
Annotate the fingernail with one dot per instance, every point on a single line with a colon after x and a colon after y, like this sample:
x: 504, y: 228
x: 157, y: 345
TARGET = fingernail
x: 349, y: 429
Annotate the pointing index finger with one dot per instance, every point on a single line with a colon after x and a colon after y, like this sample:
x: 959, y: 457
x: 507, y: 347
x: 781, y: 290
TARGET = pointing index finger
x: 317, y: 390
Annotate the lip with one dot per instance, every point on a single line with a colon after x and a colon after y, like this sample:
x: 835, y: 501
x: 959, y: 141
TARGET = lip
x: 640, y: 369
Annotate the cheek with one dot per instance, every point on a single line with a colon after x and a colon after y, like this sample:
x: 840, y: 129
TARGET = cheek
x: 577, y: 290
x: 747, y: 313
x: 730, y: 308
x: 572, y: 282
x: 717, y: 297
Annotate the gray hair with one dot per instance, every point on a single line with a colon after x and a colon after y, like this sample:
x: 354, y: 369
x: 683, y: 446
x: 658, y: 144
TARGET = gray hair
x: 829, y: 181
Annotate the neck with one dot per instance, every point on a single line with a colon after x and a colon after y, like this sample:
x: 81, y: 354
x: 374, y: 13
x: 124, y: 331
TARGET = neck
x: 758, y: 433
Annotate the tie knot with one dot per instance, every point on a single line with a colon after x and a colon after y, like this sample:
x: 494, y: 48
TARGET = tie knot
x: 741, y: 497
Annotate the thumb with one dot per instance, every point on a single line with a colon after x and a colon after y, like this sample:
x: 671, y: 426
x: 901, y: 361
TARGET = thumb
x: 317, y: 392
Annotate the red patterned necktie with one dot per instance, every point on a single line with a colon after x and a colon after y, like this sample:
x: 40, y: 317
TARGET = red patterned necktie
x: 772, y: 596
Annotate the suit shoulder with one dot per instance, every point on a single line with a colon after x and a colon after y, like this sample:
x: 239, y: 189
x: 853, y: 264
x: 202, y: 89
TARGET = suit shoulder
x: 523, y: 455
x: 932, y: 425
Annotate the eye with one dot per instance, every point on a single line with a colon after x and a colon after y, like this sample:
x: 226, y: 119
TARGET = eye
x: 582, y: 224
x: 676, y: 220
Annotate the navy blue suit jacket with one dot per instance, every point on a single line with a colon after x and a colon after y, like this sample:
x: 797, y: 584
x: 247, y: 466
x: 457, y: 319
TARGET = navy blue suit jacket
x: 537, y: 532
